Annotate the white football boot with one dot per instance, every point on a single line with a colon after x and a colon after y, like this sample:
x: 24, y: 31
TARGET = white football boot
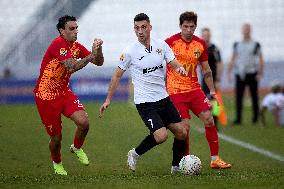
x: 132, y: 159
x: 175, y: 169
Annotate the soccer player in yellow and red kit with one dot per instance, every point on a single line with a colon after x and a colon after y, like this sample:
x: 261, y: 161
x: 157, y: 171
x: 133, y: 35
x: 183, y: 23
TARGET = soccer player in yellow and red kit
x: 185, y: 92
x: 53, y: 96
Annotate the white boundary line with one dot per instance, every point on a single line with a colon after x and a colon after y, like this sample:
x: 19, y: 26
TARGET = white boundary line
x: 239, y: 143
x: 246, y: 145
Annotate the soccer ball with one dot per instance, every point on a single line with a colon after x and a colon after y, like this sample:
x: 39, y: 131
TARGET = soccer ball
x: 190, y: 165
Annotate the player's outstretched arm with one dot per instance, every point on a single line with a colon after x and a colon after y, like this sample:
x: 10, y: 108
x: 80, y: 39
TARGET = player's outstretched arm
x: 111, y: 90
x: 178, y: 67
x: 208, y: 78
x: 72, y: 65
x: 96, y: 57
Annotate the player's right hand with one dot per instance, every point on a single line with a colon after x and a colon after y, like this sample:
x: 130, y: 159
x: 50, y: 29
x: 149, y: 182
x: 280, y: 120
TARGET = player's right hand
x: 180, y: 70
x: 103, y: 108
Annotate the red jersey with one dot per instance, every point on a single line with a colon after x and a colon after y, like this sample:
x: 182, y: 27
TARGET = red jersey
x: 53, y: 80
x: 189, y: 54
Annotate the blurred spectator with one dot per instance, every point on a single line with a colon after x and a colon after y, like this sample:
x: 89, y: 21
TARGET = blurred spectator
x: 215, y: 63
x: 248, y: 64
x: 274, y: 102
x: 7, y: 74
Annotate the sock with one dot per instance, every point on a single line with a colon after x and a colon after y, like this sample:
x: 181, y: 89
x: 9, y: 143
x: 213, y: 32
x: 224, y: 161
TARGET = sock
x: 56, y: 158
x: 186, y: 148
x: 78, y: 143
x: 148, y: 143
x: 212, y: 139
x: 178, y: 151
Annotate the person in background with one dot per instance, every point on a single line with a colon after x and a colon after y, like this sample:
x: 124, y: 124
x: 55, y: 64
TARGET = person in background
x: 53, y: 97
x: 215, y: 64
x: 274, y: 102
x: 248, y: 64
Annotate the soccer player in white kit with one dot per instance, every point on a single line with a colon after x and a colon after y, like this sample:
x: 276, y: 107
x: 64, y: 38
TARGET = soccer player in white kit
x: 144, y: 58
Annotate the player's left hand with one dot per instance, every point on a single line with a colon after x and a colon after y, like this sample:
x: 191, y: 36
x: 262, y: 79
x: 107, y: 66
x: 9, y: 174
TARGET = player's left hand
x: 215, y: 97
x: 97, y: 44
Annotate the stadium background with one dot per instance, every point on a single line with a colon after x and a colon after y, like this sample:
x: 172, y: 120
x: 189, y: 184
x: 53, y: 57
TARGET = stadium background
x: 28, y: 26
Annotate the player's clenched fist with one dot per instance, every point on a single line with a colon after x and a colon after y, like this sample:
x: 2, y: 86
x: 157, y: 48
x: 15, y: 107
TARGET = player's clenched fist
x: 97, y: 43
x: 180, y: 70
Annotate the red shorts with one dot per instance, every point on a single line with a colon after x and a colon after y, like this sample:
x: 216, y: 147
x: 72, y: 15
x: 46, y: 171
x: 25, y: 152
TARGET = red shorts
x: 196, y: 101
x: 50, y: 111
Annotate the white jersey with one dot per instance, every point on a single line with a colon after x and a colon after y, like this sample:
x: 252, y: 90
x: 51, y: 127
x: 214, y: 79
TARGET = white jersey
x: 147, y: 69
x: 275, y: 100
x: 247, y: 57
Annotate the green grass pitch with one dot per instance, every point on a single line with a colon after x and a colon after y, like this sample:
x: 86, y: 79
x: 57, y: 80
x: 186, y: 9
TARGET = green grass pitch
x: 25, y: 159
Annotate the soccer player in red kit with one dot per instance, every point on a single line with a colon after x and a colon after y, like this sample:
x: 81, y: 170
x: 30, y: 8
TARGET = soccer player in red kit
x: 53, y: 96
x: 185, y: 92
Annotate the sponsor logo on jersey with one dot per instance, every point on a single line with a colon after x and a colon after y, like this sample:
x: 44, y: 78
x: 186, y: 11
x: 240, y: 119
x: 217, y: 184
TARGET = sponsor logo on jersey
x: 63, y: 52
x: 148, y: 70
x: 196, y: 53
x: 122, y: 57
x: 76, y: 53
x: 159, y: 51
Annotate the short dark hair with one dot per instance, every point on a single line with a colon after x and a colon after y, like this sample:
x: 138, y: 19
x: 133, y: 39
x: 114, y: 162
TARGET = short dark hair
x: 63, y: 20
x: 188, y: 16
x: 141, y: 17
x: 276, y: 87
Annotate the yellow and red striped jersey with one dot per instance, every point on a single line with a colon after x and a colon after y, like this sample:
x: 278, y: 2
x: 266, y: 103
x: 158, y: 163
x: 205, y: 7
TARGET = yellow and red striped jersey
x: 189, y: 54
x: 53, y: 80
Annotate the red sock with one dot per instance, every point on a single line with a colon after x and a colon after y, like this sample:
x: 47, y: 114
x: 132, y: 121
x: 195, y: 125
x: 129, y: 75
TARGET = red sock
x: 56, y: 158
x: 212, y: 139
x: 186, y: 149
x: 78, y: 143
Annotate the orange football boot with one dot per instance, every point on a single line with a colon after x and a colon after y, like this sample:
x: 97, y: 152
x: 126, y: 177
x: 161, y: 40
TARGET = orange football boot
x: 219, y: 164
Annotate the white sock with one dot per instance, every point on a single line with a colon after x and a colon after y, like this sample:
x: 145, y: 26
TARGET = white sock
x: 135, y: 153
x: 74, y: 148
x: 57, y: 163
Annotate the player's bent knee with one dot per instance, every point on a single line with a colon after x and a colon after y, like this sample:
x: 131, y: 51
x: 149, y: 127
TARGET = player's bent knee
x: 186, y: 125
x: 181, y: 134
x: 210, y: 120
x: 161, y: 137
x: 81, y: 119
